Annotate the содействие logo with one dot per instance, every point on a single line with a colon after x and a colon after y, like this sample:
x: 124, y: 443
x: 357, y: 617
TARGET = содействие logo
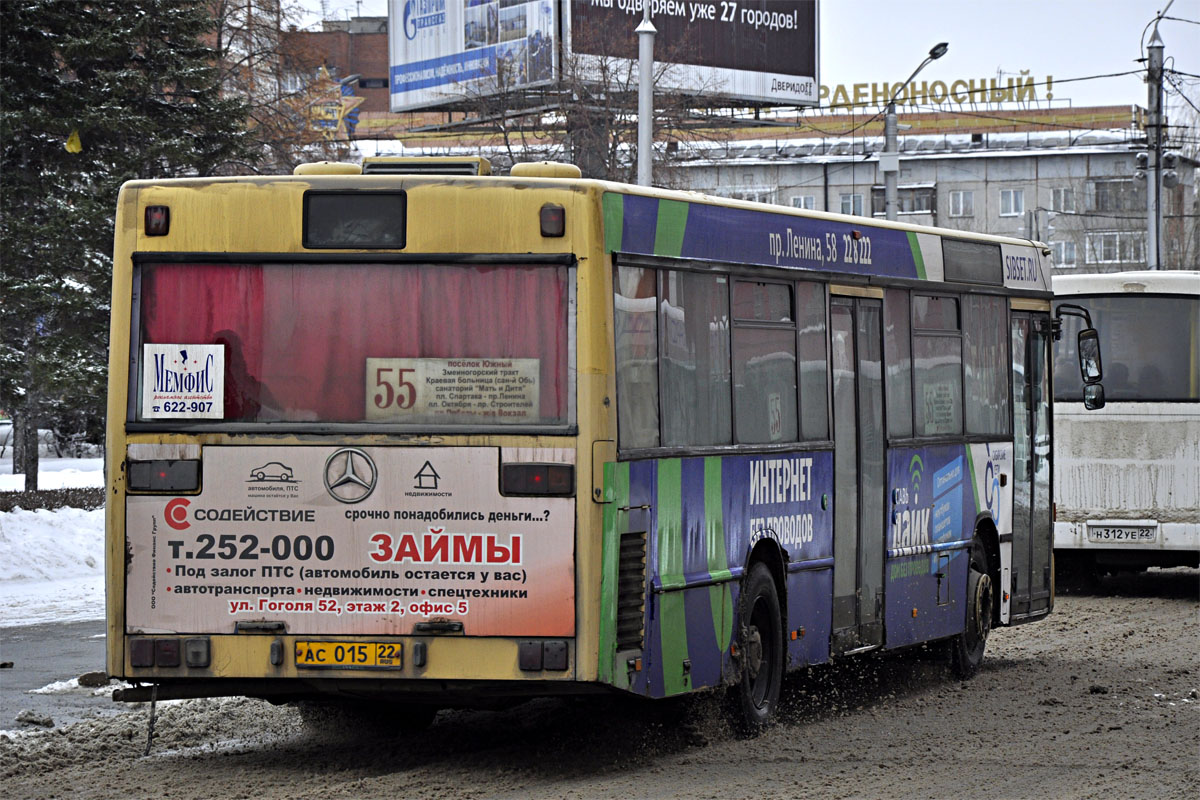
x: 176, y: 513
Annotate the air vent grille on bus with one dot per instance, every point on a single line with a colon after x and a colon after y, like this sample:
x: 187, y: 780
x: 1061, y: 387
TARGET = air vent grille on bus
x: 631, y: 591
x: 425, y: 166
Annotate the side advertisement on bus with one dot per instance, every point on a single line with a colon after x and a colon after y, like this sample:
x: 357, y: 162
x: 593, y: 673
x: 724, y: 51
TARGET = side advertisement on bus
x: 351, y: 540
x: 936, y: 495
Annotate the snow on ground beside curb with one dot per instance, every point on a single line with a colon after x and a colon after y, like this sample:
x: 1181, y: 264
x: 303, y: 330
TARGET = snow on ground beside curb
x: 52, y: 561
x: 56, y: 473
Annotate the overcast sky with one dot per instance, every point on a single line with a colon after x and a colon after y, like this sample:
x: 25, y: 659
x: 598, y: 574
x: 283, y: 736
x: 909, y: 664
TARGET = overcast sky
x: 870, y: 41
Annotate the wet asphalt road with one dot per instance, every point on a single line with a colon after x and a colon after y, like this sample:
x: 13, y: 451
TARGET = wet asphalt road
x: 45, y: 654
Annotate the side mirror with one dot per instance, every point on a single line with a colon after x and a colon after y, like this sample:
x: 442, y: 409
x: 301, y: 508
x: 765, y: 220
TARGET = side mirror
x: 1089, y: 356
x: 1093, y: 396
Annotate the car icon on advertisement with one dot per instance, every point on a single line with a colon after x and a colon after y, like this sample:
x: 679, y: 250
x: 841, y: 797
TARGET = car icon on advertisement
x: 272, y: 471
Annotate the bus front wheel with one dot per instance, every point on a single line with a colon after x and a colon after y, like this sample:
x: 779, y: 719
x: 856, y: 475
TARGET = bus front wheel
x: 759, y: 651
x: 966, y: 649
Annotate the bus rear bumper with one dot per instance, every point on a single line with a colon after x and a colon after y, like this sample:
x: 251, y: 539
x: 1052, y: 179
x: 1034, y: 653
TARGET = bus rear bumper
x: 443, y: 694
x: 1129, y: 543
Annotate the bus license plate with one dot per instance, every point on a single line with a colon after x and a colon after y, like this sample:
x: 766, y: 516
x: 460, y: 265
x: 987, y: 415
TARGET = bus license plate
x: 349, y: 655
x: 1121, y: 533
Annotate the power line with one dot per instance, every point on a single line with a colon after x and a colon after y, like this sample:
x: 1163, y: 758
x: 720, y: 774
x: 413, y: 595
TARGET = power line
x: 1185, y: 98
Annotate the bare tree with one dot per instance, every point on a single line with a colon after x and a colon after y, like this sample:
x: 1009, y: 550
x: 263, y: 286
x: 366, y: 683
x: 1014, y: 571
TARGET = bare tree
x: 275, y: 73
x: 588, y: 117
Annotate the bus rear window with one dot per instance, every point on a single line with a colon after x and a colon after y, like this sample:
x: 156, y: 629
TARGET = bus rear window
x: 1148, y: 346
x: 427, y: 344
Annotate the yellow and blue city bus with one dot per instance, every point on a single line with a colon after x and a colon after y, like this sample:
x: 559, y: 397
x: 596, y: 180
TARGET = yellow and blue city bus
x: 398, y: 433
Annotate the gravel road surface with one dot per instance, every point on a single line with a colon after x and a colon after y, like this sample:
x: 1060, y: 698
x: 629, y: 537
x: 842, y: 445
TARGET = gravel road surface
x: 1100, y: 700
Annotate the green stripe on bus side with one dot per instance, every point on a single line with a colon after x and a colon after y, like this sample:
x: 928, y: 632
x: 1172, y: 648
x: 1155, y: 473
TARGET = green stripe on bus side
x: 614, y: 221
x: 672, y: 221
x: 672, y: 621
x: 974, y: 487
x: 616, y: 493
x: 719, y: 597
x: 918, y: 259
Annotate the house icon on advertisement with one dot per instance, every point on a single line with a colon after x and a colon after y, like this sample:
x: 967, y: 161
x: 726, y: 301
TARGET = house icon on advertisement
x: 427, y: 477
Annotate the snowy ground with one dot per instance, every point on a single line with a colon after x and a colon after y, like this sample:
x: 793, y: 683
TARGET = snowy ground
x: 52, y: 562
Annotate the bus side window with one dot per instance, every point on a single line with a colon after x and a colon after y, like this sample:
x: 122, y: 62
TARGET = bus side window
x: 635, y: 319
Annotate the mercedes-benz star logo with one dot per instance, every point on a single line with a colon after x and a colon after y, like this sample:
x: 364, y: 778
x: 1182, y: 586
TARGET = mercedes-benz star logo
x: 350, y: 475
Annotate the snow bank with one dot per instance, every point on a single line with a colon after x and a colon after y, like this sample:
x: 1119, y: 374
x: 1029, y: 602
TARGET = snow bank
x: 56, y: 473
x: 52, y: 562
x: 51, y: 545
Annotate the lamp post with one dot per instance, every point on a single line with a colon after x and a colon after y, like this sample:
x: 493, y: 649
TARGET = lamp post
x: 889, y: 161
x: 1033, y: 224
x: 645, y: 32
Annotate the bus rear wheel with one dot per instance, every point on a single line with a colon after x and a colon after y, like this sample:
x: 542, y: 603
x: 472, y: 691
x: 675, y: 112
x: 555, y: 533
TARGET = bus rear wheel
x: 966, y: 649
x: 754, y: 698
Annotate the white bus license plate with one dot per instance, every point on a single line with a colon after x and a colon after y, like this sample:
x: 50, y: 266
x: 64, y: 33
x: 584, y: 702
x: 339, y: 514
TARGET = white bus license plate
x: 1121, y: 533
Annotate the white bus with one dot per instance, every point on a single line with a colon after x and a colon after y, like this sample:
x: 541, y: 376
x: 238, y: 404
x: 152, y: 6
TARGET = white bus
x: 1127, y: 477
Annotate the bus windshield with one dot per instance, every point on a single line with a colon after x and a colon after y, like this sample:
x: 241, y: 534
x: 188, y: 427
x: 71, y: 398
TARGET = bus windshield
x: 1149, y: 344
x: 426, y: 344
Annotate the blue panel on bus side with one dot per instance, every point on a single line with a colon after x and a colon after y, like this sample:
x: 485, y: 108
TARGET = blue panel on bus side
x: 761, y: 237
x: 710, y: 232
x: 932, y: 508
x: 780, y: 497
x: 708, y: 515
x: 809, y: 616
x: 640, y: 220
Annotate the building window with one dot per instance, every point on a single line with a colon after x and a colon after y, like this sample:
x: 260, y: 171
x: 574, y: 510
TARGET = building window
x: 1114, y: 194
x: 1064, y: 200
x: 1064, y: 253
x: 852, y: 204
x: 805, y: 201
x: 909, y: 200
x: 1012, y: 202
x: 962, y: 204
x: 372, y: 83
x: 1116, y: 247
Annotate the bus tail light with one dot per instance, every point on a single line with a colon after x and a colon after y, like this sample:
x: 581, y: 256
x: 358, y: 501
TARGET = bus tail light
x: 158, y: 220
x: 196, y: 652
x: 166, y: 652
x: 553, y: 220
x: 537, y: 479
x: 162, y: 475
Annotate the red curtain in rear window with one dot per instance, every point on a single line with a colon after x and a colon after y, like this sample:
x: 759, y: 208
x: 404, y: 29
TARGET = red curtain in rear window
x: 297, y: 336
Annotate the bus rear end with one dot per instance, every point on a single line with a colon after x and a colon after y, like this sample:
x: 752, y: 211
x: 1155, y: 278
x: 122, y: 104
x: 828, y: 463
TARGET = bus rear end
x: 343, y: 453
x: 1127, y: 476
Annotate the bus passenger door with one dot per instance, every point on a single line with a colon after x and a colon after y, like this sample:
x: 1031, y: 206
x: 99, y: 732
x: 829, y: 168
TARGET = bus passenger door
x: 858, y: 538
x: 1031, y: 465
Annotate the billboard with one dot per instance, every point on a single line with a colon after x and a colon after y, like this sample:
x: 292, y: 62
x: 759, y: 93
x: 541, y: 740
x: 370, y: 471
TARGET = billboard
x: 443, y: 51
x: 756, y: 50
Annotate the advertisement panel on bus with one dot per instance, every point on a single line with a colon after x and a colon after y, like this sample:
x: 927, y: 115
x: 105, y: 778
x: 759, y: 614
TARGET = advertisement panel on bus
x: 352, y: 540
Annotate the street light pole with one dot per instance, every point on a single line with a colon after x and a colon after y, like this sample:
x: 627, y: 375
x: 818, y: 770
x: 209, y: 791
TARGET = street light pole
x: 1154, y: 138
x: 645, y: 32
x: 889, y: 160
